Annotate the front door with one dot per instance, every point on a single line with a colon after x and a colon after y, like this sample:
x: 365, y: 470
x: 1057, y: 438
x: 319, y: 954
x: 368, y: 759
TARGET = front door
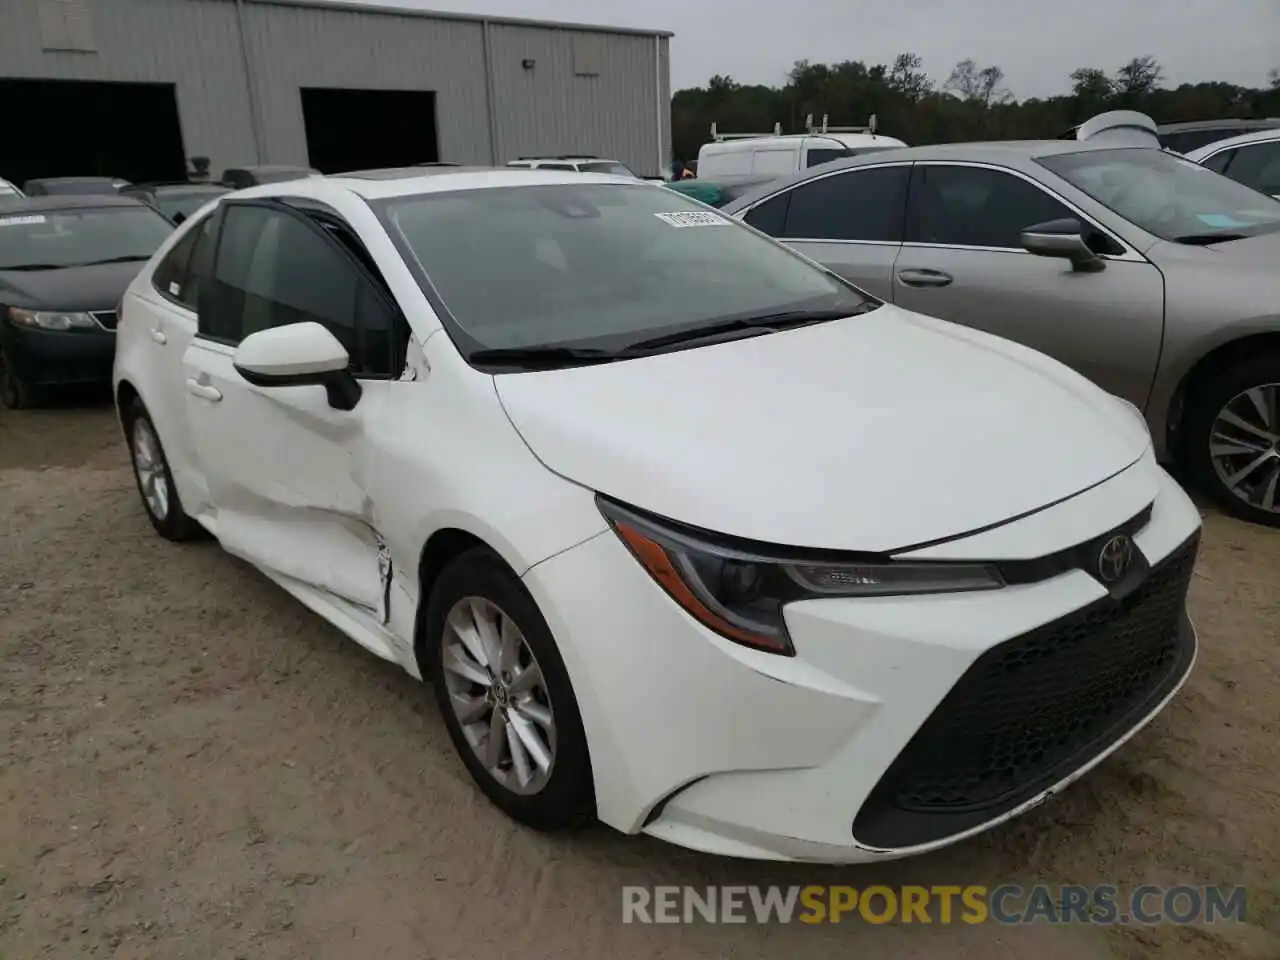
x: 288, y: 473
x: 962, y: 260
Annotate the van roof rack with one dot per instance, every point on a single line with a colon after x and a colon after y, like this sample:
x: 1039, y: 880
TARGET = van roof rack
x: 826, y: 126
x: 719, y: 137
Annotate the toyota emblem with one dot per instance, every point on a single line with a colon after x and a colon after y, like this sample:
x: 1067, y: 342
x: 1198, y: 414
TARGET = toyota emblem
x: 1115, y: 558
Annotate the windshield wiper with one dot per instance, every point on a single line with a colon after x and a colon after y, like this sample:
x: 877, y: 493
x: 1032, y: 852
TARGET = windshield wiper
x: 127, y: 258
x: 767, y: 321
x: 1204, y: 239
x: 545, y: 356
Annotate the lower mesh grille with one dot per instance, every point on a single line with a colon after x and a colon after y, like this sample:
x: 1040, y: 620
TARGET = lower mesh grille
x: 1035, y: 708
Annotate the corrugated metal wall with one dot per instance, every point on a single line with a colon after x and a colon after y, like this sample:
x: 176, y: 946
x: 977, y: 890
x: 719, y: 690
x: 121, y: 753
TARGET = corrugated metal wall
x: 598, y: 92
x: 194, y: 45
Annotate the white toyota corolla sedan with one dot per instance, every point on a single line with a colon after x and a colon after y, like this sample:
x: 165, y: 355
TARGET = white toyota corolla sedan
x: 689, y: 534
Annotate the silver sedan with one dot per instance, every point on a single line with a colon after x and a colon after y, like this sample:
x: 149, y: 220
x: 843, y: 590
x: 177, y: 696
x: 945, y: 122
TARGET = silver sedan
x: 1153, y: 276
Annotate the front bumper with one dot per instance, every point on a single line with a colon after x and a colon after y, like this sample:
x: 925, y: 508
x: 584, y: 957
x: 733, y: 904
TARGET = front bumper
x: 54, y: 357
x: 902, y: 724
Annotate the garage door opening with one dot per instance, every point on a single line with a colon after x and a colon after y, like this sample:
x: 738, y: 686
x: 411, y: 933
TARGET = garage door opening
x: 366, y: 129
x: 76, y: 128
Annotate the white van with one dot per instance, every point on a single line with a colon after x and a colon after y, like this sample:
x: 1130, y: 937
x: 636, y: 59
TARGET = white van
x: 779, y: 154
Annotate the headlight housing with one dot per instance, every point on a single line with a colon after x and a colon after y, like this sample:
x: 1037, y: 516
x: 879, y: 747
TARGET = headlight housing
x: 50, y: 319
x: 738, y: 589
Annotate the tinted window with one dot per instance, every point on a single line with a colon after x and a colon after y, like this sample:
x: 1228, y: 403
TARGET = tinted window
x: 556, y: 166
x: 200, y: 268
x: 1257, y: 166
x: 857, y: 205
x: 1166, y: 195
x: 77, y: 237
x: 1218, y: 162
x: 593, y: 262
x: 170, y: 274
x: 976, y: 207
x: 274, y: 269
x: 819, y: 155
x: 1189, y: 140
x: 771, y: 216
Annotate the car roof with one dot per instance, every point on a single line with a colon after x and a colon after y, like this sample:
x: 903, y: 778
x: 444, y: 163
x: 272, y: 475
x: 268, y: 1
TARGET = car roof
x: 1256, y: 136
x: 72, y: 180
x: 72, y: 201
x: 1228, y: 123
x: 385, y: 184
x: 1010, y: 152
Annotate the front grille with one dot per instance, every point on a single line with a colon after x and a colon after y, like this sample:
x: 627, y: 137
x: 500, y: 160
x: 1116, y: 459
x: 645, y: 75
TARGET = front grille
x: 106, y: 318
x: 1033, y: 709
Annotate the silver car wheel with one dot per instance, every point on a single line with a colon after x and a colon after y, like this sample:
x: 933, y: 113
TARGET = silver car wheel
x: 148, y: 464
x: 1244, y: 446
x: 498, y: 694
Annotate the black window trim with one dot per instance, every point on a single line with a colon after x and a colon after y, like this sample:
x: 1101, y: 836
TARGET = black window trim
x: 281, y: 205
x: 742, y: 214
x: 196, y: 226
x: 1130, y: 254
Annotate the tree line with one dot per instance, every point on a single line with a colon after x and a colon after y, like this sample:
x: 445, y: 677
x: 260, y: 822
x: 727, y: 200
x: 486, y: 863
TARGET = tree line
x: 973, y: 103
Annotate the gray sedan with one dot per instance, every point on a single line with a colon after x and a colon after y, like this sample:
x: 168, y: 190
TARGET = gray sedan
x: 1153, y: 276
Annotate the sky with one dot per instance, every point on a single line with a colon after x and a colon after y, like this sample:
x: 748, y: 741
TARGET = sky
x: 1036, y: 42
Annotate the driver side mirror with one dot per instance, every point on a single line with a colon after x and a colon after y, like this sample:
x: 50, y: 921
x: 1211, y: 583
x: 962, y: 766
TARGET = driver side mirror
x: 298, y: 355
x: 1065, y: 239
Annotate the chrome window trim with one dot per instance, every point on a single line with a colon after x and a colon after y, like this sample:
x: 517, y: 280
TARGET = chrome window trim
x: 1239, y: 146
x: 1130, y: 255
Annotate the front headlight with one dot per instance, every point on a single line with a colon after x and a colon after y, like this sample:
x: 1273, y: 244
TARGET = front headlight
x: 738, y: 590
x: 50, y: 319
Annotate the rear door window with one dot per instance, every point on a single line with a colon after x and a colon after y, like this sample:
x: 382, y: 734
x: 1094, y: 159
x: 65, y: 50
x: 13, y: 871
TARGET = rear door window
x: 866, y: 204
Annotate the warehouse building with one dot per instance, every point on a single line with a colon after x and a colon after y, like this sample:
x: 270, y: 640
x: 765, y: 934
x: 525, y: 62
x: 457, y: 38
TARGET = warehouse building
x: 135, y: 88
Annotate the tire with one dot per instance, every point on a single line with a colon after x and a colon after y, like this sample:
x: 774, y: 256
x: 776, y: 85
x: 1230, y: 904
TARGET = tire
x: 478, y: 583
x: 1256, y: 498
x: 15, y: 392
x: 168, y: 517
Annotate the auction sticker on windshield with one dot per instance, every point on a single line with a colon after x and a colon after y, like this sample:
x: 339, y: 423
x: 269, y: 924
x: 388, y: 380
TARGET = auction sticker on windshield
x: 692, y: 218
x: 22, y: 221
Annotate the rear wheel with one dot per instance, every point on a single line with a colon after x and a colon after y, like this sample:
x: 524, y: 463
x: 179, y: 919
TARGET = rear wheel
x: 153, y: 476
x: 505, y: 695
x: 1233, y: 439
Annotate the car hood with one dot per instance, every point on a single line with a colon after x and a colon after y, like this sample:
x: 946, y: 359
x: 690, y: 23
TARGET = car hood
x: 874, y: 433
x: 71, y: 288
x: 1263, y: 251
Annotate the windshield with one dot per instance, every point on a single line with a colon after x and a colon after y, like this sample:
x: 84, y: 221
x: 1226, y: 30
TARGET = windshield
x: 606, y: 166
x: 1166, y: 195
x: 595, y: 264
x: 186, y: 202
x: 69, y: 238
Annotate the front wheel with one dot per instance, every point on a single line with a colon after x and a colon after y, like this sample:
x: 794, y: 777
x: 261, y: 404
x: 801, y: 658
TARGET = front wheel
x: 1233, y: 439
x: 505, y: 694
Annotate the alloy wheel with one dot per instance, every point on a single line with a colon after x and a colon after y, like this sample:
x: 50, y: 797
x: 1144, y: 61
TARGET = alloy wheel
x: 498, y: 695
x: 1244, y: 446
x: 148, y: 463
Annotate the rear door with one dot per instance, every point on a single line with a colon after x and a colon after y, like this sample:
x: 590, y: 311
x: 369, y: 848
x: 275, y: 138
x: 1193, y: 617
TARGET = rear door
x: 850, y: 221
x: 167, y: 314
x: 962, y: 260
x: 289, y: 474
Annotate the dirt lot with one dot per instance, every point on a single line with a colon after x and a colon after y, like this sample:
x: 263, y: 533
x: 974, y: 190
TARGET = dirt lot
x: 194, y: 766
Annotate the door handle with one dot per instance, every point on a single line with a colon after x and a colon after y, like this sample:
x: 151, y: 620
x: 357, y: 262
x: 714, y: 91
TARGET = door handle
x: 925, y: 277
x: 158, y: 336
x: 203, y: 390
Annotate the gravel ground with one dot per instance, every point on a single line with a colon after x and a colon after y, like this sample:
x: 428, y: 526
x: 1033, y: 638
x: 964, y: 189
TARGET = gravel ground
x: 194, y: 766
